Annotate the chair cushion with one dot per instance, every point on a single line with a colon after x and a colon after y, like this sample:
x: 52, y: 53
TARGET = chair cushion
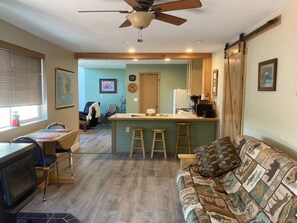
x: 48, y: 160
x: 60, y: 150
x: 216, y: 158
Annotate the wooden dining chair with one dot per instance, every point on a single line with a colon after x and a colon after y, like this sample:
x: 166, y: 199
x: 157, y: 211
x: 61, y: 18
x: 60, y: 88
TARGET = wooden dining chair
x: 46, y: 163
x: 64, y: 147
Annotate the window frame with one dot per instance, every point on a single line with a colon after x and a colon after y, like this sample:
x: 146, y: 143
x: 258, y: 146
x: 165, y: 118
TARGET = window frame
x: 41, y: 108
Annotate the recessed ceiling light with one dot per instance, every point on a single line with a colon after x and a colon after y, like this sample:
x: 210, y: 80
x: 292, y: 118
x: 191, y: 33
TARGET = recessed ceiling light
x: 167, y: 59
x: 189, y: 50
x: 131, y: 50
x: 135, y: 59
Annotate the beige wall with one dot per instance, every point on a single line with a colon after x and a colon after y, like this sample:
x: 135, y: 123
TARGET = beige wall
x: 218, y: 63
x: 271, y: 116
x: 55, y: 57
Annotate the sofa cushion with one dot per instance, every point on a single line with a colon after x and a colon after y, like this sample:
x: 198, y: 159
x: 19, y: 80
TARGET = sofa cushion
x: 217, y: 158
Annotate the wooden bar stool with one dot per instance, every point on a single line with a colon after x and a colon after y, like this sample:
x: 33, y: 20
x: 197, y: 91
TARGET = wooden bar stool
x: 137, y: 134
x: 156, y: 139
x: 180, y: 136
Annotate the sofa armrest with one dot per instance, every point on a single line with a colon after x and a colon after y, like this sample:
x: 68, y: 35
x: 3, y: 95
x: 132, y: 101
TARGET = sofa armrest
x: 187, y: 159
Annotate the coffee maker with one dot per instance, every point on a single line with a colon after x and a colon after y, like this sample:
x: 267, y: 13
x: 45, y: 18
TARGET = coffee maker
x: 194, y: 101
x: 202, y: 107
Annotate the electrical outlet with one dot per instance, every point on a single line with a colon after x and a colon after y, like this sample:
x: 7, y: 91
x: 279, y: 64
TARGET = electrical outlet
x: 127, y: 129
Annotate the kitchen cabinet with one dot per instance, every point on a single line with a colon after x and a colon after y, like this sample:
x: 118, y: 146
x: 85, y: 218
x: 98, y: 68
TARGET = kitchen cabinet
x: 199, y: 77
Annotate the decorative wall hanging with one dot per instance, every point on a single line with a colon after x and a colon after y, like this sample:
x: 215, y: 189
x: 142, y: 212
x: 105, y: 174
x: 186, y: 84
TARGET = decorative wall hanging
x: 132, y: 87
x: 64, y: 88
x: 267, y: 72
x: 108, y: 85
x: 215, y: 82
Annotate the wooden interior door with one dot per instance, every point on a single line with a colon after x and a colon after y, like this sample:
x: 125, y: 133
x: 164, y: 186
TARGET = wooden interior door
x: 148, y: 92
x: 233, y: 91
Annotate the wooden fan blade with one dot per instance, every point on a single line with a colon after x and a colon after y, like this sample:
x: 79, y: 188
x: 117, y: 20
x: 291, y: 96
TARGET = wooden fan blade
x: 176, y: 5
x: 133, y: 3
x: 120, y: 11
x: 169, y: 18
x: 125, y: 24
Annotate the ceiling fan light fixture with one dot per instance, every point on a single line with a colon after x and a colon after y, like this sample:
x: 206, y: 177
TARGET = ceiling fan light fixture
x: 140, y: 20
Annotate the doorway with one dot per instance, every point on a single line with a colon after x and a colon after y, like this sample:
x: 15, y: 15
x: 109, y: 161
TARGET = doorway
x: 149, y: 91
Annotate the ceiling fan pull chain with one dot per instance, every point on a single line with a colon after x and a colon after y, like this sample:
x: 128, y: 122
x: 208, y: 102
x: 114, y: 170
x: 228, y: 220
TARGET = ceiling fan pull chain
x: 140, y: 40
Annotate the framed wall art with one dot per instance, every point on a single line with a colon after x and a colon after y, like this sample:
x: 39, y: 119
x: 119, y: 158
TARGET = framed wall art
x: 64, y: 88
x: 215, y: 74
x: 267, y: 71
x: 108, y: 85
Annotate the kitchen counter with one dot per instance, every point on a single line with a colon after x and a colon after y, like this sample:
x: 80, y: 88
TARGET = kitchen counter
x: 202, y: 130
x: 172, y: 117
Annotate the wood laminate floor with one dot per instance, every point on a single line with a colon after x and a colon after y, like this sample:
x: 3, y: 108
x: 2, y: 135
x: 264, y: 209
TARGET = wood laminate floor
x: 115, y: 188
x: 95, y: 140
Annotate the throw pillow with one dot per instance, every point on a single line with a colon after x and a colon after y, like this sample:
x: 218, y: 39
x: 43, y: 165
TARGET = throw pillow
x: 217, y: 158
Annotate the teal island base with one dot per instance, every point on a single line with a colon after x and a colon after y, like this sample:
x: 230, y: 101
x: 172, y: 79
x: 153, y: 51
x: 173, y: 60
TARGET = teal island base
x: 202, y: 130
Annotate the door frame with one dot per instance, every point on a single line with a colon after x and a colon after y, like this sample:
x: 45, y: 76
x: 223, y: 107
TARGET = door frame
x: 158, y: 89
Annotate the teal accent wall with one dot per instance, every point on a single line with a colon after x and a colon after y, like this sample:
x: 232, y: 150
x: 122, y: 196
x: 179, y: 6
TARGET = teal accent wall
x: 172, y: 76
x: 89, y: 87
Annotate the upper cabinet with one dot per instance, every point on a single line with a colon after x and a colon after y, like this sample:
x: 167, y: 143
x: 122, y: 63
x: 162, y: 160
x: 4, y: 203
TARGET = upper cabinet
x: 199, y: 77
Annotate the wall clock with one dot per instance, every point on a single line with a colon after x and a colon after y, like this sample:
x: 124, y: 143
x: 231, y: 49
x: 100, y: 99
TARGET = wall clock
x: 132, y: 77
x: 132, y: 87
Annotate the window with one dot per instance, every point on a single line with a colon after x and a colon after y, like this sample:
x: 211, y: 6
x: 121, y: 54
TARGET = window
x: 26, y: 114
x: 21, y: 81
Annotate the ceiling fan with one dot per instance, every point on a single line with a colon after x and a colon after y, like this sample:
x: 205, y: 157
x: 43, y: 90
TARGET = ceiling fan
x: 144, y: 12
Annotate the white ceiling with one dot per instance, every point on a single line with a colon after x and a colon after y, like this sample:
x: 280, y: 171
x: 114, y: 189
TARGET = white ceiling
x: 215, y: 23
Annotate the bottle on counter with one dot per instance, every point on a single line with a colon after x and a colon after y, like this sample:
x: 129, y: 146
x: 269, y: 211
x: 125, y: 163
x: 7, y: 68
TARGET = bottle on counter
x: 15, y: 119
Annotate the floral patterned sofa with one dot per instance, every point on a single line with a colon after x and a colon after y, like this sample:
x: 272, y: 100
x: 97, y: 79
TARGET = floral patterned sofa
x: 263, y: 188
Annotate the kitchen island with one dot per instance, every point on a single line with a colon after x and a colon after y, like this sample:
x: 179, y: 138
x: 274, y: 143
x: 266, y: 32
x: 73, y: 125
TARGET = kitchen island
x: 202, y: 130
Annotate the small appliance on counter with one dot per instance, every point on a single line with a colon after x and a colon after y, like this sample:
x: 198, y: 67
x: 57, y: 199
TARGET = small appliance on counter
x: 194, y: 101
x: 205, y: 110
x: 202, y: 107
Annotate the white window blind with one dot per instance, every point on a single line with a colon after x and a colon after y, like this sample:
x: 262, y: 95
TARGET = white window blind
x: 20, y: 79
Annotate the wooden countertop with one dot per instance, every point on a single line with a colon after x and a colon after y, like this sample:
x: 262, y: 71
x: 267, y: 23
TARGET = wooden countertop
x: 165, y: 117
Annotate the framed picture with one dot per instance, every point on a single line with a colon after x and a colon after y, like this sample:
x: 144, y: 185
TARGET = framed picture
x: 64, y: 88
x: 108, y: 85
x: 215, y: 74
x: 267, y: 71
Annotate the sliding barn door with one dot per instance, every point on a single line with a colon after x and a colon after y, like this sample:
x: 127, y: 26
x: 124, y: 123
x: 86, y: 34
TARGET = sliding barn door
x: 233, y: 91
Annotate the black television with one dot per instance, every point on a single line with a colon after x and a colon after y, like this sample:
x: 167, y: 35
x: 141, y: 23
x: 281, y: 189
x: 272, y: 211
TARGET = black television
x: 18, y: 179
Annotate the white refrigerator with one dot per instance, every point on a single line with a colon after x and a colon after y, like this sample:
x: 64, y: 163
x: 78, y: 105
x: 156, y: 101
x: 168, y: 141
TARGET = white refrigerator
x: 181, y: 100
